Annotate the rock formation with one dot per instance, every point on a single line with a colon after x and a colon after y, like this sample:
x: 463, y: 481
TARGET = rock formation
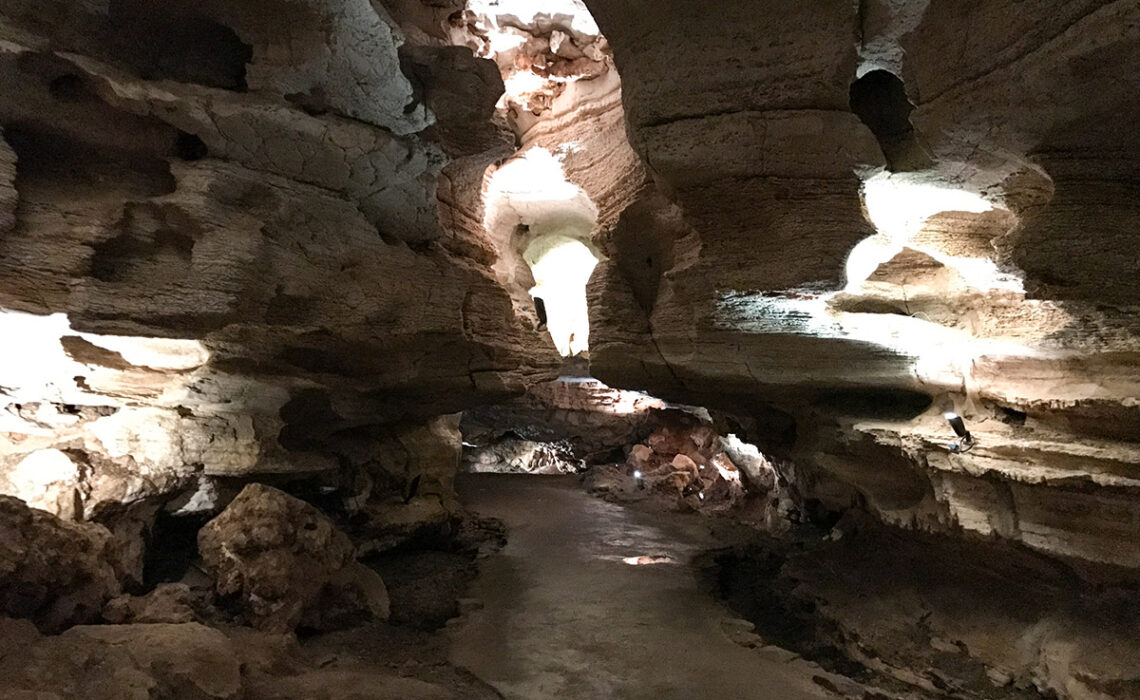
x: 855, y: 235
x: 286, y: 564
x: 276, y: 247
x: 53, y: 572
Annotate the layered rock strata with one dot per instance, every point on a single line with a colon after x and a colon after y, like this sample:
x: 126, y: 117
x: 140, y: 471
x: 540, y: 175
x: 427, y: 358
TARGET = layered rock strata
x: 854, y: 228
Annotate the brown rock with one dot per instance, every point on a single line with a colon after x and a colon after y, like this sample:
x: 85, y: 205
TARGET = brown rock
x: 286, y: 564
x: 112, y: 662
x: 167, y: 603
x: 55, y: 573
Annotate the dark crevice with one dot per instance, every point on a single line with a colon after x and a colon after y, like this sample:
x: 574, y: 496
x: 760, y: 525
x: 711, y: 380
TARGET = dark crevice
x: 171, y: 548
x: 880, y: 101
x: 55, y: 161
x: 190, y: 147
x: 886, y: 404
x: 159, y: 43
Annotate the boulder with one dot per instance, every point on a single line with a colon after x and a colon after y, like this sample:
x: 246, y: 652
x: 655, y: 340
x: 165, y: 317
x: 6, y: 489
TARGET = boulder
x: 113, y: 662
x: 53, y: 572
x: 167, y: 603
x: 285, y: 564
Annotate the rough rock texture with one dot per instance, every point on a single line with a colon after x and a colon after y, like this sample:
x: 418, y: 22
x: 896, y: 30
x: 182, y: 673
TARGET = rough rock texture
x: 595, y: 420
x: 286, y: 564
x: 217, y: 263
x: 53, y: 572
x: 929, y: 612
x: 109, y: 662
x: 512, y: 456
x: 170, y: 603
x: 857, y: 226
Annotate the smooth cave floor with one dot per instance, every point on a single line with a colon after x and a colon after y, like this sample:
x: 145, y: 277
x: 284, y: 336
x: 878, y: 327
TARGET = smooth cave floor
x: 564, y: 617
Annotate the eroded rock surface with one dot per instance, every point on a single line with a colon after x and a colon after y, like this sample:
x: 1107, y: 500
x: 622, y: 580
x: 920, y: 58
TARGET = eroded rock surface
x: 108, y: 662
x: 286, y: 564
x: 53, y: 572
x: 850, y: 222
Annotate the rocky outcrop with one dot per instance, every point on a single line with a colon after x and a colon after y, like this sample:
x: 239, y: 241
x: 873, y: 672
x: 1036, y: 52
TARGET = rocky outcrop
x: 850, y: 223
x: 107, y: 662
x: 285, y: 564
x: 941, y: 616
x: 53, y: 572
x: 590, y: 421
x: 216, y: 264
x: 168, y: 603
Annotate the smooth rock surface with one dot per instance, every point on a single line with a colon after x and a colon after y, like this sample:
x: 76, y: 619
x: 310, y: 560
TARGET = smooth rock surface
x: 564, y: 617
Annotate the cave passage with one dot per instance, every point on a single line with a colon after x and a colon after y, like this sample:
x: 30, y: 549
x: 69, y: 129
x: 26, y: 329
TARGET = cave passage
x: 565, y: 615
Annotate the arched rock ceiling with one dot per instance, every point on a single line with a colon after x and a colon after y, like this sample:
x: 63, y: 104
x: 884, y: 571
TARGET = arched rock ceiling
x: 298, y: 204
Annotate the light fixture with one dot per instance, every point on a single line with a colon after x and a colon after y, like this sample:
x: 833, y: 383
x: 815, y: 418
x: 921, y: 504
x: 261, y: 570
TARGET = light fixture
x: 965, y: 439
x: 639, y: 478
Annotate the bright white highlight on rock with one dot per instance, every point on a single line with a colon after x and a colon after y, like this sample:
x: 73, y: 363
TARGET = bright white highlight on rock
x: 899, y: 204
x: 157, y: 353
x: 38, y: 369
x: 519, y: 85
x: 562, y: 267
x: 528, y: 10
x: 555, y: 215
x: 532, y: 190
x: 33, y: 478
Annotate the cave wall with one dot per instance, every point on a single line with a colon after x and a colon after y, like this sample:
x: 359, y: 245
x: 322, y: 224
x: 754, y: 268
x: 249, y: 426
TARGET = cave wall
x: 221, y: 249
x: 781, y: 137
x: 236, y: 262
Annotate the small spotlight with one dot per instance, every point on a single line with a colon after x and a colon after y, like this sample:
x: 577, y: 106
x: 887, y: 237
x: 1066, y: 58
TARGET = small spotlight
x: 639, y: 478
x: 965, y: 439
x: 701, y: 495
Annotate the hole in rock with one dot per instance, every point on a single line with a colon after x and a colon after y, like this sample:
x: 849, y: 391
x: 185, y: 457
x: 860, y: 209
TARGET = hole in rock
x: 561, y: 267
x: 880, y: 101
x: 1012, y: 416
x: 52, y: 166
x: 190, y: 147
x: 163, y: 41
x: 171, y: 548
x: 545, y: 222
x: 68, y: 87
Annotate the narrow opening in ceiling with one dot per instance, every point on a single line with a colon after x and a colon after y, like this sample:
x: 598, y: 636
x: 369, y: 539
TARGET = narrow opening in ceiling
x: 562, y: 266
x: 536, y: 213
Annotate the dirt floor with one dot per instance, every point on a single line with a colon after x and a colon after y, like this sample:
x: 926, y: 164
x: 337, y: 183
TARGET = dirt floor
x: 594, y: 600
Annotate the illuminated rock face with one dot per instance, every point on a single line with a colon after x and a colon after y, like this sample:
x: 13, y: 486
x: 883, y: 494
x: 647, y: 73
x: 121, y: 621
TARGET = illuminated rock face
x: 219, y: 257
x: 863, y: 233
x: 290, y: 250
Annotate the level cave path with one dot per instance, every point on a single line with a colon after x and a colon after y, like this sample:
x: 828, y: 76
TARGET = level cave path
x: 564, y: 617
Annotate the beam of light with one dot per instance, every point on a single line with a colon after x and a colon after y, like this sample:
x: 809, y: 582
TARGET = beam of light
x: 562, y: 267
x: 899, y: 204
x: 527, y: 10
x: 939, y: 355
